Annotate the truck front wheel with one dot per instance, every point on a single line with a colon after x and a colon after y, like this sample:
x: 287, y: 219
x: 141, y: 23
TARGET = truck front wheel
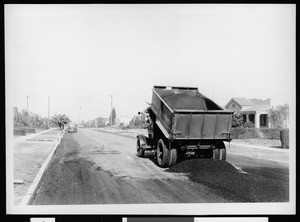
x: 140, y: 151
x: 162, y: 154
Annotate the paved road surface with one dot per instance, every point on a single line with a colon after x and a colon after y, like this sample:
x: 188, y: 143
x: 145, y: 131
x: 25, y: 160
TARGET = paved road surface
x: 92, y: 167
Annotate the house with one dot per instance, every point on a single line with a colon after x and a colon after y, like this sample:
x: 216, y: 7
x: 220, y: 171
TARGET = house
x: 252, y: 110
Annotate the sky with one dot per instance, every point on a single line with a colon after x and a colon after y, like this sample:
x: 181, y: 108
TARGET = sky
x: 87, y: 57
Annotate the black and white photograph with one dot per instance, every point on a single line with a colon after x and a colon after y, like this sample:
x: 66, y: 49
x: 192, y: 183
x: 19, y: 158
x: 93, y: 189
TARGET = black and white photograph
x: 154, y: 109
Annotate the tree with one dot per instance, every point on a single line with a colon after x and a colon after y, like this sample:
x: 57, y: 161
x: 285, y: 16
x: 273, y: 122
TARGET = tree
x: 138, y: 121
x: 60, y: 120
x: 92, y: 123
x: 279, y: 115
x: 16, y: 114
x: 24, y: 117
x: 100, y: 122
x: 44, y: 122
x: 17, y: 117
x: 112, y: 117
x: 237, y: 120
x: 35, y: 120
x: 84, y: 123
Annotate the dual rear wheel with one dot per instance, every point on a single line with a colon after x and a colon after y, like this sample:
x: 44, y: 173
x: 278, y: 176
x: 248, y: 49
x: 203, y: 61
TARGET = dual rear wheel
x: 166, y: 156
x: 219, y: 154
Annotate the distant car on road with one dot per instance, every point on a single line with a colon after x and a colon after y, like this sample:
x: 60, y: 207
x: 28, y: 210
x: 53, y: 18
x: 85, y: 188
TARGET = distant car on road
x: 72, y: 128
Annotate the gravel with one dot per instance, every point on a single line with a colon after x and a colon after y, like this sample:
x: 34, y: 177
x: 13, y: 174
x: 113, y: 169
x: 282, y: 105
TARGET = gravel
x: 231, y: 184
x: 183, y: 101
x: 187, y: 100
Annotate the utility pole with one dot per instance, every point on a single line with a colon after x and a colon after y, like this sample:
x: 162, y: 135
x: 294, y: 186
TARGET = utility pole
x: 79, y: 114
x: 27, y: 104
x: 111, y: 105
x: 48, y: 111
x: 28, y: 118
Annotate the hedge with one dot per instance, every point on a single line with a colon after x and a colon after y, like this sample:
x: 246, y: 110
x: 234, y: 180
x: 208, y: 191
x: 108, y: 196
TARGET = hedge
x: 23, y: 131
x: 30, y: 130
x: 254, y: 133
x: 20, y: 132
x: 41, y: 128
x: 244, y: 133
x: 270, y: 133
x: 237, y: 132
x: 284, y: 138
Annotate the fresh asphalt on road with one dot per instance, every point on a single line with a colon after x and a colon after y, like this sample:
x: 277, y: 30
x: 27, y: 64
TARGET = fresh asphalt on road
x: 93, y: 167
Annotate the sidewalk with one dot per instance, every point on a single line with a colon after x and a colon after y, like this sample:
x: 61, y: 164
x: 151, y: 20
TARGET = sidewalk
x: 30, y: 152
x: 260, y: 152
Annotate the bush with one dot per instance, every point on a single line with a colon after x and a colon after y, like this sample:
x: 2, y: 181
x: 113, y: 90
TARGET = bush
x: 20, y: 132
x: 284, y: 138
x: 244, y: 133
x: 45, y: 127
x: 26, y: 129
x: 237, y: 119
x: 270, y: 133
x: 248, y: 125
x: 237, y: 132
x: 252, y: 133
x: 30, y: 130
x: 24, y: 123
x: 267, y: 133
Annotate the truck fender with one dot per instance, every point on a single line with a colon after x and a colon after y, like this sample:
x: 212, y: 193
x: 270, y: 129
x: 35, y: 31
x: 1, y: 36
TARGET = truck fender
x: 143, y: 139
x: 220, y: 145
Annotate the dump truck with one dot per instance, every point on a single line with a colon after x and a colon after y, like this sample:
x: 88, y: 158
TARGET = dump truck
x: 182, y: 122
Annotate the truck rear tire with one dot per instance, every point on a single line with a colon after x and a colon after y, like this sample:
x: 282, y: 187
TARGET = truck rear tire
x: 222, y: 154
x: 216, y: 154
x: 140, y: 151
x: 173, y: 157
x: 162, y: 154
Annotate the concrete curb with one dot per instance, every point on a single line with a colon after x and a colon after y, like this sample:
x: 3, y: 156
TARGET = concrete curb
x: 34, y: 187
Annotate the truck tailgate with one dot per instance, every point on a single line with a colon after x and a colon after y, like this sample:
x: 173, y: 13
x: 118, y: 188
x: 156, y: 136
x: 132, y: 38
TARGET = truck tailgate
x: 201, y: 124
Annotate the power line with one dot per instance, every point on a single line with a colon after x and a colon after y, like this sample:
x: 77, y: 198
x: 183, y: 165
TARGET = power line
x: 103, y: 95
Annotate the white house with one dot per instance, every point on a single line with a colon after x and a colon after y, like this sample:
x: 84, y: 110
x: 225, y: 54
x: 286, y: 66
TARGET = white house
x: 252, y: 110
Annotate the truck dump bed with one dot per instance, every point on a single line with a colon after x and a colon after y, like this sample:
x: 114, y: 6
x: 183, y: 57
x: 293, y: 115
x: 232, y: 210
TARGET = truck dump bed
x: 183, y: 113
